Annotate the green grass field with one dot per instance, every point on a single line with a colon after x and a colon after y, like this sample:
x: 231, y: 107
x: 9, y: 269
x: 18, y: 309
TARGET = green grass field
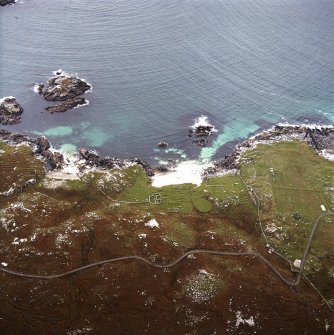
x: 288, y: 178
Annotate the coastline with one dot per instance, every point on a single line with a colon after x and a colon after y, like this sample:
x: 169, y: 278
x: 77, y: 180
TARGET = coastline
x: 319, y: 137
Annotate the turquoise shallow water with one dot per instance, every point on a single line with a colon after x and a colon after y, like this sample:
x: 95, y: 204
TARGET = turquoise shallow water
x: 156, y: 66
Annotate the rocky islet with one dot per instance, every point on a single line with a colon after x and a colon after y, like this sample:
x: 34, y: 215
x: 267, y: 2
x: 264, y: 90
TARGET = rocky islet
x: 66, y: 89
x: 201, y: 131
x: 10, y: 111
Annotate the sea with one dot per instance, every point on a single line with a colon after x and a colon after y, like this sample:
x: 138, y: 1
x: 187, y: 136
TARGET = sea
x: 158, y: 67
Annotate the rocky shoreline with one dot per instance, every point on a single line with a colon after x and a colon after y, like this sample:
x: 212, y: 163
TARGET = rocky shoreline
x: 320, y: 138
x: 54, y: 160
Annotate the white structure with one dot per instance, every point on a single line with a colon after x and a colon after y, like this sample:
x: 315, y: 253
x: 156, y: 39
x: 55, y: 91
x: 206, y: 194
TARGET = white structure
x: 323, y: 208
x: 297, y: 263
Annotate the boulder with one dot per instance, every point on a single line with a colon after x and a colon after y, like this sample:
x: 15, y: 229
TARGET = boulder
x: 42, y: 144
x: 89, y: 155
x: 53, y: 160
x: 162, y: 145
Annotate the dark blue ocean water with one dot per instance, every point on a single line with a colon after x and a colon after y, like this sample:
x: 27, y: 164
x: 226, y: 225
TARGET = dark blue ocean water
x: 155, y: 66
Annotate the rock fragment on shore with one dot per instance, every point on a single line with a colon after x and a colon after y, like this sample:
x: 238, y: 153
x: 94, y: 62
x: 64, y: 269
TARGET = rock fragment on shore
x: 10, y: 111
x: 93, y: 159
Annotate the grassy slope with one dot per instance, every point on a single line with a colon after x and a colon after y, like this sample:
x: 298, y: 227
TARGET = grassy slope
x: 18, y: 166
x: 289, y: 178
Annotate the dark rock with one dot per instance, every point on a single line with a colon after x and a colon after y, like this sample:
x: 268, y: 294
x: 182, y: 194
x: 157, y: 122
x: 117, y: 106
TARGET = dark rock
x: 228, y: 162
x: 61, y: 88
x: 201, y: 131
x: 296, y: 216
x: 109, y: 162
x: 53, y: 161
x: 40, y: 88
x: 10, y: 111
x: 58, y: 159
x: 320, y: 139
x: 66, y: 105
x: 325, y: 131
x: 162, y: 169
x: 19, y: 138
x: 89, y: 155
x: 210, y: 171
x: 92, y: 158
x: 147, y: 167
x: 201, y: 142
x: 162, y: 145
x: 311, y: 133
x: 4, y: 133
x: 42, y: 144
x: 7, y: 2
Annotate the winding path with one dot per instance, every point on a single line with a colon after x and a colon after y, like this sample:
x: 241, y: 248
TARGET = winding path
x: 183, y: 256
x: 144, y: 260
x: 308, y: 245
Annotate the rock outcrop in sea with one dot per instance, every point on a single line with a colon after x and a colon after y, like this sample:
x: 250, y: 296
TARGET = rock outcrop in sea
x: 66, y: 105
x: 7, y: 2
x: 162, y: 145
x: 201, y: 130
x: 66, y: 89
x: 10, y: 111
